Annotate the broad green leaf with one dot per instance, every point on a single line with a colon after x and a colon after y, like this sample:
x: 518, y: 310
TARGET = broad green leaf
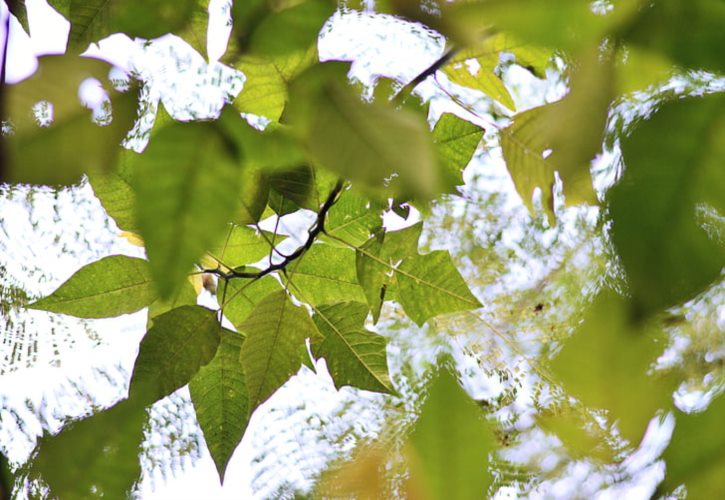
x: 430, y: 284
x: 108, y: 287
x: 95, y: 457
x: 695, y: 454
x: 186, y: 296
x: 570, y: 25
x: 605, y: 365
x: 187, y: 186
x: 673, y: 178
x: 59, y: 153
x: 242, y: 295
x: 219, y: 394
x: 93, y: 20
x: 376, y: 259
x: 352, y: 218
x: 117, y: 197
x: 355, y: 356
x: 484, y: 80
x: 253, y: 197
x: 179, y: 343
x: 196, y: 27
x: 450, y: 444
x: 265, y: 91
x: 272, y: 352
x: 325, y: 274
x: 364, y: 142
x: 562, y: 137
x: 297, y: 186
x: 292, y: 29
x: 690, y: 33
x: 242, y: 245
x: 456, y: 140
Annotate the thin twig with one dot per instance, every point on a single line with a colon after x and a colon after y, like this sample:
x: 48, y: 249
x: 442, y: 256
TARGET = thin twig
x: 314, y: 231
x: 430, y: 70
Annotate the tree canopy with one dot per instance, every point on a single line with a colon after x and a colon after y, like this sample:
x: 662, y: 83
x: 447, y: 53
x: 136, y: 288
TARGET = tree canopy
x: 643, y: 87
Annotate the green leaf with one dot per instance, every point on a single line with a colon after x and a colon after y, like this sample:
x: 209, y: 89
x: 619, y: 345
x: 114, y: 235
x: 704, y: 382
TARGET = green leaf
x: 95, y: 457
x: 693, y: 44
x: 430, y: 284
x: 484, y: 80
x: 72, y: 144
x: 242, y: 246
x: 17, y: 8
x: 695, y: 454
x: 355, y: 356
x: 376, y: 259
x: 456, y: 140
x: 272, y: 352
x: 242, y: 295
x: 562, y: 137
x: 187, y: 185
x: 179, y: 343
x: 93, y: 20
x: 297, y: 186
x: 108, y: 287
x: 195, y: 30
x: 352, y: 218
x: 672, y: 180
x: 364, y: 142
x: 253, y: 197
x: 605, y: 365
x: 450, y: 444
x: 265, y: 91
x: 186, y: 296
x: 325, y: 275
x: 291, y: 29
x: 219, y: 394
x: 117, y: 197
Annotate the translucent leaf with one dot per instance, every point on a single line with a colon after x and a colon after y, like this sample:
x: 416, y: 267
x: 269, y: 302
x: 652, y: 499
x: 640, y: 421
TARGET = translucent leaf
x: 605, y: 364
x: 450, y: 444
x: 376, y: 259
x: 325, y: 275
x: 186, y: 296
x: 272, y: 352
x: 297, y: 186
x: 265, y: 90
x: 242, y: 246
x: 195, y: 30
x: 673, y: 178
x: 93, y: 20
x: 562, y: 137
x: 456, y: 140
x: 117, y: 197
x: 59, y: 152
x: 695, y: 454
x: 352, y: 218
x: 108, y: 287
x: 95, y: 457
x: 219, y: 394
x: 430, y: 284
x: 483, y: 80
x: 242, y: 295
x: 364, y: 142
x: 355, y: 356
x: 187, y: 185
x: 179, y: 343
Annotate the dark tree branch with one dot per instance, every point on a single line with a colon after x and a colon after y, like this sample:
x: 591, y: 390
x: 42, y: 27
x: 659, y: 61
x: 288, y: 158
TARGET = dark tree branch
x: 430, y: 70
x: 314, y: 231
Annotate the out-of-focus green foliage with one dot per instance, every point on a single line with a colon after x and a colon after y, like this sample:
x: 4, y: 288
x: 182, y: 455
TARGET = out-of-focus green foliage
x: 196, y: 196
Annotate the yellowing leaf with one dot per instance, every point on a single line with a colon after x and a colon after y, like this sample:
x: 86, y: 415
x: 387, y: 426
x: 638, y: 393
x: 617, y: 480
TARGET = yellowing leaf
x: 108, y: 287
x: 484, y: 80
